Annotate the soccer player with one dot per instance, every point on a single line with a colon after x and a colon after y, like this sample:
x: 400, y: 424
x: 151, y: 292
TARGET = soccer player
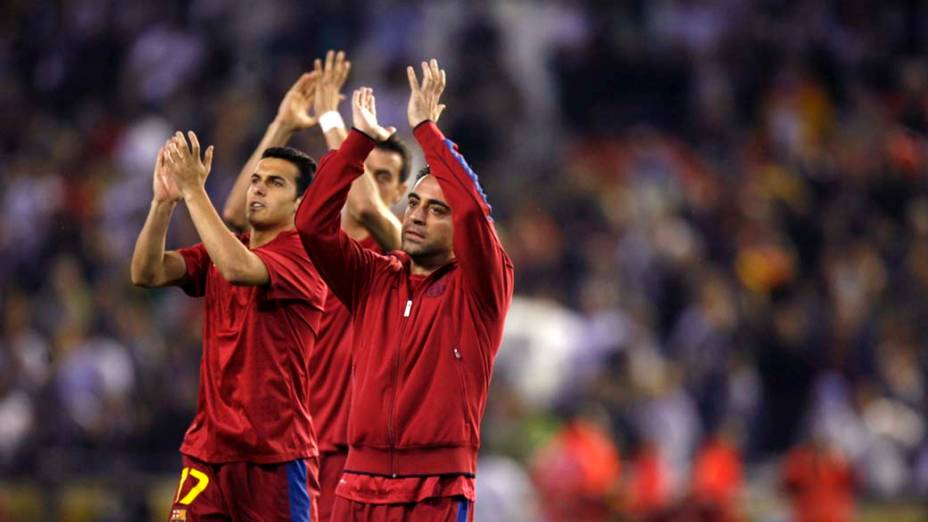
x: 428, y: 321
x: 250, y: 452
x: 367, y: 219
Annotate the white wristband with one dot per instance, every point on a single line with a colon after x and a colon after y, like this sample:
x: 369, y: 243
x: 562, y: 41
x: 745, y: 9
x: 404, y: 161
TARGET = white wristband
x: 331, y: 120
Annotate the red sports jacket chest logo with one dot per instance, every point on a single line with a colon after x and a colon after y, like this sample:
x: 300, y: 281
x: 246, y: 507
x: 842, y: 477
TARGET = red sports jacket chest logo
x: 437, y: 289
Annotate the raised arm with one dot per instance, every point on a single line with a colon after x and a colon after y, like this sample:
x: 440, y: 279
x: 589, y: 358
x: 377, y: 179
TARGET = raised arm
x: 479, y: 252
x: 327, y: 96
x: 343, y: 264
x: 292, y: 116
x: 367, y: 212
x: 237, y: 264
x: 151, y: 265
x: 367, y: 209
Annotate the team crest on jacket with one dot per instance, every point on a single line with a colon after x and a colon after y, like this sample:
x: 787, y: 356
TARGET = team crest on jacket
x: 437, y: 289
x: 178, y: 515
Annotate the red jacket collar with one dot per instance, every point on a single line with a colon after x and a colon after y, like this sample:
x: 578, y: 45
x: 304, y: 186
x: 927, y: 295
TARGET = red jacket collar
x: 406, y: 262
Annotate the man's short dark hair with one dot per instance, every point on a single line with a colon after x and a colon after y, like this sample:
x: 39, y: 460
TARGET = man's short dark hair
x: 393, y: 144
x: 423, y: 172
x: 305, y: 164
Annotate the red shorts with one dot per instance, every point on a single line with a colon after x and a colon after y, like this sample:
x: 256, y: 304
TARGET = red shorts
x: 438, y: 509
x: 243, y: 491
x: 331, y: 465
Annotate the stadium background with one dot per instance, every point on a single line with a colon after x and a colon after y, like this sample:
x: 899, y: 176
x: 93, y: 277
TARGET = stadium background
x: 717, y: 210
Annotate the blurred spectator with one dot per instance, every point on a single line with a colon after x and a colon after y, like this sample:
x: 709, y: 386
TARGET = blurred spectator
x: 718, y: 477
x: 577, y: 474
x: 648, y: 492
x: 505, y: 491
x: 819, y: 483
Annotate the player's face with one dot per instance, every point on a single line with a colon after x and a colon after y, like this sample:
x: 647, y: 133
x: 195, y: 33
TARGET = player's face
x: 271, y: 199
x: 386, y: 166
x: 427, y: 228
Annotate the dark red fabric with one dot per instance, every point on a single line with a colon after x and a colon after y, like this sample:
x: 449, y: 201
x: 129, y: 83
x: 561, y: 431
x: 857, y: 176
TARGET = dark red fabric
x: 330, y: 367
x: 433, y: 510
x: 330, y: 393
x: 421, y: 379
x: 253, y: 403
x: 820, y: 484
x: 718, y: 477
x: 240, y: 491
x: 648, y: 491
x: 331, y: 464
x: 385, y: 490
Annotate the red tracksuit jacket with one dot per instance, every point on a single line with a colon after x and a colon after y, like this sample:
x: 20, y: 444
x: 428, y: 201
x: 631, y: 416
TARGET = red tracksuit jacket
x: 424, y: 348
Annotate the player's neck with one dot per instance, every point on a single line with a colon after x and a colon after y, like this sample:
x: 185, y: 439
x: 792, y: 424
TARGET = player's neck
x: 425, y: 265
x: 263, y: 236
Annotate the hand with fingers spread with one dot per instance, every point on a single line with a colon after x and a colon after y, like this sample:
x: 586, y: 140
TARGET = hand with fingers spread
x: 293, y: 113
x: 423, y: 98
x: 164, y: 188
x: 364, y: 112
x: 331, y: 78
x: 183, y: 164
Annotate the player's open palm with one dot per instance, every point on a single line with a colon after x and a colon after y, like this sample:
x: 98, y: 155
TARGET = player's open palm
x: 332, y: 77
x: 293, y: 112
x: 184, y: 163
x: 164, y: 188
x: 424, y: 97
x: 364, y: 113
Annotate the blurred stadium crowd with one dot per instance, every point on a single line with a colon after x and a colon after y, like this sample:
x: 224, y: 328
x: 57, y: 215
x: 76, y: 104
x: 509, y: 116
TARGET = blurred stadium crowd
x: 717, y: 210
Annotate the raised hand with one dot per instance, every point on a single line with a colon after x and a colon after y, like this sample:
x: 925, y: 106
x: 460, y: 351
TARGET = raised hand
x: 364, y: 112
x: 331, y: 78
x: 163, y: 186
x: 423, y: 98
x: 183, y: 164
x: 293, y: 113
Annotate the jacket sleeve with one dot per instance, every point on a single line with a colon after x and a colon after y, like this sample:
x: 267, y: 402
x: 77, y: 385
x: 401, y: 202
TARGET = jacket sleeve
x: 344, y: 265
x: 197, y: 261
x: 486, y: 266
